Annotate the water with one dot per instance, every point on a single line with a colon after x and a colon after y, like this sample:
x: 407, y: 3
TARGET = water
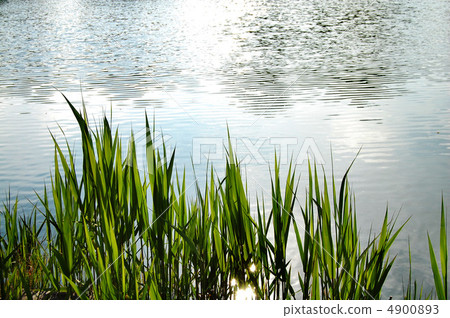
x: 286, y: 75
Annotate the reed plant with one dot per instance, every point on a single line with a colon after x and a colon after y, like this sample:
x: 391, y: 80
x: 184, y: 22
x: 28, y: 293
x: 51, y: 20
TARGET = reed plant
x: 440, y: 278
x: 335, y: 263
x: 412, y: 291
x: 21, y: 253
x: 111, y: 230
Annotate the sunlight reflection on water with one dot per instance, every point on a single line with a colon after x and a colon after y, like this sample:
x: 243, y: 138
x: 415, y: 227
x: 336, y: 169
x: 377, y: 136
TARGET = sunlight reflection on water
x: 348, y: 74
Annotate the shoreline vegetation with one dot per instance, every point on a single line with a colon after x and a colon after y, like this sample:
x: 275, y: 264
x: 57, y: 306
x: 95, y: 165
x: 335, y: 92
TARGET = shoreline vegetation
x: 112, y: 231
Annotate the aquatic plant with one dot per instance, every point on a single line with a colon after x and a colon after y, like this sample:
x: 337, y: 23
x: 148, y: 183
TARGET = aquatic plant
x: 440, y: 280
x: 113, y: 231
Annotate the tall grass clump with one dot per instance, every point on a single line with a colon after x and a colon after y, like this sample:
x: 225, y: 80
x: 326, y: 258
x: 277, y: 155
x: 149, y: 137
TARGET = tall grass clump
x: 113, y: 231
x: 335, y: 263
x: 21, y: 253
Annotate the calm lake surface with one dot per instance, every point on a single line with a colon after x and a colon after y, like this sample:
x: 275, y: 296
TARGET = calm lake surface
x: 284, y: 75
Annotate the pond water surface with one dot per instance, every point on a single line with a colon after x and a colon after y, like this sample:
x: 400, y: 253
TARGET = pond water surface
x: 290, y: 75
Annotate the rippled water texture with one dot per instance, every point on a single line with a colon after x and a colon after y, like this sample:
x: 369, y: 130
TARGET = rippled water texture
x: 282, y: 74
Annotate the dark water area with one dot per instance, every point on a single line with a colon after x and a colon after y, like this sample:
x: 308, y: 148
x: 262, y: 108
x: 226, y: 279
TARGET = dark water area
x: 283, y: 75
